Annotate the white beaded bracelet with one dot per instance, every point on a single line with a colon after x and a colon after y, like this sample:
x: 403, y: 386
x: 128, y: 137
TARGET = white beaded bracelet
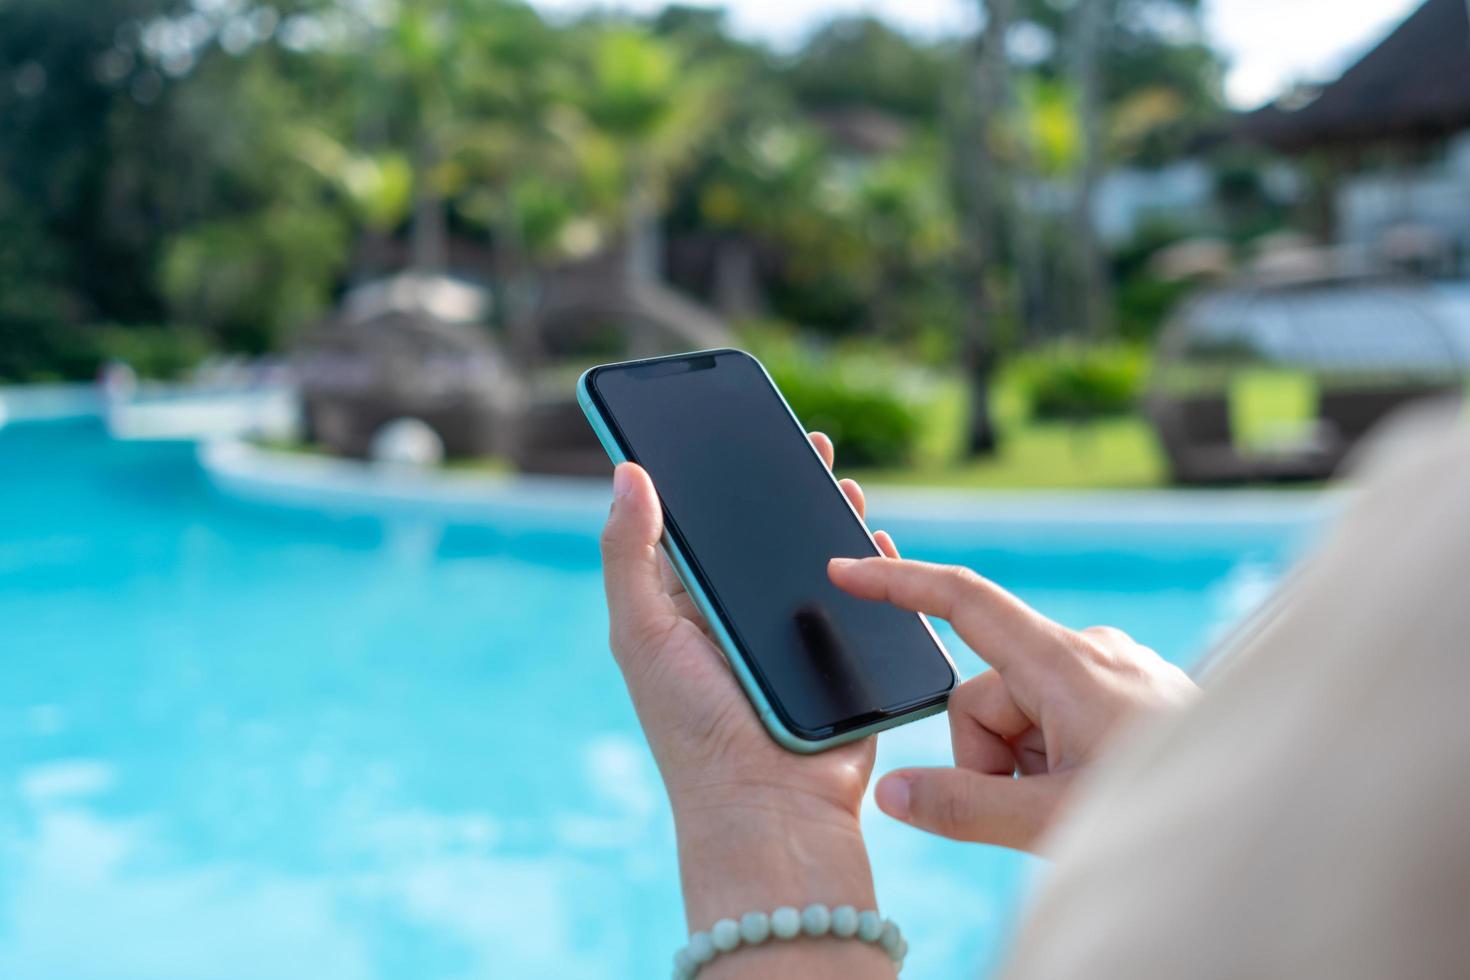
x: 754, y: 928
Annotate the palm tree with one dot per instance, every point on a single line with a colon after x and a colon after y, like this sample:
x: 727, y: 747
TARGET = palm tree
x: 653, y: 105
x: 979, y: 176
x: 1090, y: 19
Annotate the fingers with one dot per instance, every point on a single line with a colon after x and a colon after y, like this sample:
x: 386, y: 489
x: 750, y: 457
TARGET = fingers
x: 667, y: 576
x: 982, y: 722
x: 823, y: 445
x: 971, y: 806
x: 993, y: 622
x: 854, y: 493
x: 638, y: 605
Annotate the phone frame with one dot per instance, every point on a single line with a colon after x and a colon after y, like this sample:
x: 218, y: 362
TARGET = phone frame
x: 783, y: 734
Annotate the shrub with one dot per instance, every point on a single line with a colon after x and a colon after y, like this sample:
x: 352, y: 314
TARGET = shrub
x: 874, y: 408
x: 1144, y: 303
x: 164, y: 353
x: 60, y: 351
x: 1075, y: 382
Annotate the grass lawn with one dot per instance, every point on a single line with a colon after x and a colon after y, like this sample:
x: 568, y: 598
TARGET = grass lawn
x: 1115, y: 453
x: 1108, y: 453
x: 1111, y: 453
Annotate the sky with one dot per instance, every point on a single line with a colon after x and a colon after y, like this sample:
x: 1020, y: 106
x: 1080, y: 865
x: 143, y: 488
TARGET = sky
x: 1269, y: 44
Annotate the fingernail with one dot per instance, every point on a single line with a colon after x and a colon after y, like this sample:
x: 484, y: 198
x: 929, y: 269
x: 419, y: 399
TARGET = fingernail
x: 842, y: 562
x: 622, y: 481
x: 892, y: 796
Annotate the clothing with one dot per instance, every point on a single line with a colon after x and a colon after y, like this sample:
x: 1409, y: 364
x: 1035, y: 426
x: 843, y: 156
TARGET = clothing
x: 1310, y: 815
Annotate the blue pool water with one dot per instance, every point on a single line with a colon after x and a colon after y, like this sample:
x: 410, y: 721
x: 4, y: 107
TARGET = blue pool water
x: 242, y: 740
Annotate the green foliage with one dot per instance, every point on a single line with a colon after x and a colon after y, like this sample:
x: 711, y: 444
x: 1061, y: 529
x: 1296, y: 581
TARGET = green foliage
x: 40, y: 350
x: 1162, y: 83
x: 1142, y: 300
x: 46, y: 352
x: 864, y: 397
x: 166, y: 353
x: 862, y: 61
x: 1143, y: 303
x: 1070, y: 381
x: 252, y: 279
x: 649, y: 103
x: 156, y: 166
x: 633, y: 76
x: 1046, y: 123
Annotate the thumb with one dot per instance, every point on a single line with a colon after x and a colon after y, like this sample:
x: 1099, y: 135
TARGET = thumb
x: 973, y: 806
x: 636, y: 602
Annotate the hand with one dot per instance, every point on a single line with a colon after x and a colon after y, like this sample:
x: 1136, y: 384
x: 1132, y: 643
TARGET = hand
x: 1044, y: 711
x: 705, y: 735
x: 758, y: 826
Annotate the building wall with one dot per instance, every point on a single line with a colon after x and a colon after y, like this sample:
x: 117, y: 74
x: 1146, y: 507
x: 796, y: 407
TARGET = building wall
x: 1434, y: 196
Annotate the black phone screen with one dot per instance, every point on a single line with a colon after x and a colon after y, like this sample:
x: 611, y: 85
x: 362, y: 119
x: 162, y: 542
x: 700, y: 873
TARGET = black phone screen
x: 757, y: 515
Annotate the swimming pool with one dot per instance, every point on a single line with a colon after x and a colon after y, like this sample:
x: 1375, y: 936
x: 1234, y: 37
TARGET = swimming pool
x: 302, y: 738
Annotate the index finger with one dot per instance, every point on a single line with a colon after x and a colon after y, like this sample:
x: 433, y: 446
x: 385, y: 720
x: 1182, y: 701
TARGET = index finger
x: 993, y: 622
x: 822, y: 443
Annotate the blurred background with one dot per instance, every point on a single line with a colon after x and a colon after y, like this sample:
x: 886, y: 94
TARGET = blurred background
x: 1010, y: 243
x: 303, y: 665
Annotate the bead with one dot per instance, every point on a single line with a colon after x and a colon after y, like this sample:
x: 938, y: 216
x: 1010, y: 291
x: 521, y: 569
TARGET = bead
x: 816, y: 919
x: 785, y: 922
x: 683, y: 965
x: 869, y: 927
x: 755, y: 927
x: 844, y: 921
x: 889, y: 938
x: 701, y: 948
x: 725, y: 935
x: 903, y: 951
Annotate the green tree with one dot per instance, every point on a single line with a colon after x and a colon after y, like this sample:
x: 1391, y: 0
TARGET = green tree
x: 862, y: 61
x: 651, y: 104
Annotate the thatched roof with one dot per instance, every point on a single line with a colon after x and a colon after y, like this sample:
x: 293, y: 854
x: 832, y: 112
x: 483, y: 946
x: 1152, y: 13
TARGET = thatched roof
x: 410, y: 333
x: 1412, y: 87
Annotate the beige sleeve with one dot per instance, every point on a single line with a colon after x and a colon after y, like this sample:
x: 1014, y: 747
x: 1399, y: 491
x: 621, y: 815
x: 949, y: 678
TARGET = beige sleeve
x: 1311, y: 816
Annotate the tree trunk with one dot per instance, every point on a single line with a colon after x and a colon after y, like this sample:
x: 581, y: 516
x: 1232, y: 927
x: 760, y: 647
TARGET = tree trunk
x: 428, y: 238
x: 737, y: 287
x: 980, y: 193
x: 1033, y: 311
x: 1090, y: 19
x: 516, y: 295
x: 641, y: 244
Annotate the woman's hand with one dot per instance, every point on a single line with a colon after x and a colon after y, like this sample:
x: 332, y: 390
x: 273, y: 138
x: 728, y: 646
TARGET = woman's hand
x: 759, y: 827
x: 1043, y: 711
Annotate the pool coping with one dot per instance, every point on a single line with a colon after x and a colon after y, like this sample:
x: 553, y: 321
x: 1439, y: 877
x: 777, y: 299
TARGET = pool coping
x: 342, y: 486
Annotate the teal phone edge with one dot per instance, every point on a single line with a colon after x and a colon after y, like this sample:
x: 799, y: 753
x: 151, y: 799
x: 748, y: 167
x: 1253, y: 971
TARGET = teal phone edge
x: 783, y: 736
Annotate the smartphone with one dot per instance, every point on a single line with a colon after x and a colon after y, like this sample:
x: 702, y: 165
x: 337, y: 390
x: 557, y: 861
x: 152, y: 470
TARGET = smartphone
x: 751, y: 517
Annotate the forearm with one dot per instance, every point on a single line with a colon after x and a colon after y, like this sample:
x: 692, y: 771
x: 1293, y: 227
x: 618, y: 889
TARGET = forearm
x: 753, y: 857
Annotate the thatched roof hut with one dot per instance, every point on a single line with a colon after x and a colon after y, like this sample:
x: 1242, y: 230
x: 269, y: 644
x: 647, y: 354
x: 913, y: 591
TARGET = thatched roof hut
x: 419, y: 346
x: 1413, y: 87
x: 409, y: 346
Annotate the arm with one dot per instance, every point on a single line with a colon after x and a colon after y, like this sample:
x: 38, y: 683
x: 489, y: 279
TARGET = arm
x: 759, y: 827
x: 751, y: 855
